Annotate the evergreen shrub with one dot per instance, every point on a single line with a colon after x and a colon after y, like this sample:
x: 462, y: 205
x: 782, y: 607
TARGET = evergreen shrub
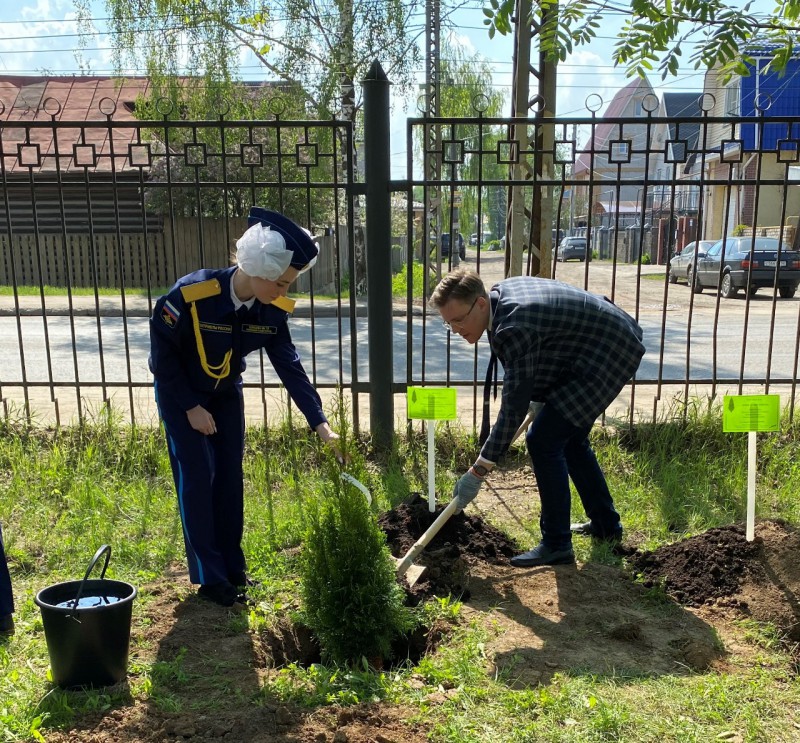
x: 351, y: 598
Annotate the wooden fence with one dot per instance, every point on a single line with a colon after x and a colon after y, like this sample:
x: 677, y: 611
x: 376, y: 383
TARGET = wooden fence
x: 138, y: 260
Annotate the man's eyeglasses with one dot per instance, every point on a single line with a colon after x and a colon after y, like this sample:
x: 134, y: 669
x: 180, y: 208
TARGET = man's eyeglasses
x: 449, y: 325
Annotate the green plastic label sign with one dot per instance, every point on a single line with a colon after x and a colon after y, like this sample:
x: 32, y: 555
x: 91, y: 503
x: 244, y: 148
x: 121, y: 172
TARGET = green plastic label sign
x: 751, y: 413
x: 432, y: 403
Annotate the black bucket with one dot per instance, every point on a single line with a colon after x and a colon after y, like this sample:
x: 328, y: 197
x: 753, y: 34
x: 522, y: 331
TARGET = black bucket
x: 87, y: 626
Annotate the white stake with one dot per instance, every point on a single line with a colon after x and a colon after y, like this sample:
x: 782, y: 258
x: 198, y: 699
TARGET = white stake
x: 751, y: 485
x: 431, y: 474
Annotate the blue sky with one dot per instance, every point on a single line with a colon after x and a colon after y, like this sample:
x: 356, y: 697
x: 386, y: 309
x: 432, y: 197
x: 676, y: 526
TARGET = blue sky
x: 37, y: 36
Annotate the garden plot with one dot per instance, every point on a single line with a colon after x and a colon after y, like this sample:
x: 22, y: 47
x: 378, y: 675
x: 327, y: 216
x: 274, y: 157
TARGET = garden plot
x: 669, y: 612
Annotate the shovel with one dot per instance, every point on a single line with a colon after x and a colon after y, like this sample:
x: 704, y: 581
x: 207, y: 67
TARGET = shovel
x: 404, y: 565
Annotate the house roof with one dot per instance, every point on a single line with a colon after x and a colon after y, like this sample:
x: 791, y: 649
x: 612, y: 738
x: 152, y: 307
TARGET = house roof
x: 603, y: 130
x: 681, y: 106
x: 98, y: 99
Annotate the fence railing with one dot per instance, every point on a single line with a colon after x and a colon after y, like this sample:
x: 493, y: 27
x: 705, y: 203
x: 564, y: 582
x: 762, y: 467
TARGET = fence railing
x: 180, y: 206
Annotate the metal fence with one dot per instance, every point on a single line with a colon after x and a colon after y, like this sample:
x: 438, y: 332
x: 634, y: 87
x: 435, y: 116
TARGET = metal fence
x: 98, y: 217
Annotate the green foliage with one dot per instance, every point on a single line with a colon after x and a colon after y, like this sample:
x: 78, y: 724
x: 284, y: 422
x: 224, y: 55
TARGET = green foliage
x: 316, y: 685
x: 657, y: 32
x: 400, y: 281
x: 740, y: 229
x: 310, y: 47
x: 351, y: 597
x: 644, y: 259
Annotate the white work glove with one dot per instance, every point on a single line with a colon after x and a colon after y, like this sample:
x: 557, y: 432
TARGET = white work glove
x: 466, y: 489
x: 534, y: 408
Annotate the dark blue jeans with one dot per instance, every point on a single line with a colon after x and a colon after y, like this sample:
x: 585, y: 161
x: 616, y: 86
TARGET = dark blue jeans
x: 6, y: 597
x: 560, y: 451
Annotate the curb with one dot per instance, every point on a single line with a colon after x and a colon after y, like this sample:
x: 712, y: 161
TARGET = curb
x: 302, y: 312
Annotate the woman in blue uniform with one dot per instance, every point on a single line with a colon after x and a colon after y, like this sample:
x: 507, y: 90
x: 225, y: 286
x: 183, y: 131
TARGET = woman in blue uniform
x: 6, y: 596
x: 200, y: 333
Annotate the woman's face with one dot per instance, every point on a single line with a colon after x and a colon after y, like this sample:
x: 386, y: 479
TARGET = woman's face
x: 266, y: 291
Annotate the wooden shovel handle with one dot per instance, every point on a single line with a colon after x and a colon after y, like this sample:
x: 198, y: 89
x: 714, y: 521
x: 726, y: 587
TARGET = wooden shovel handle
x: 430, y: 533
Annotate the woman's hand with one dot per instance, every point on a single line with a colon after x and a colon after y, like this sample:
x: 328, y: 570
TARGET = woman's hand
x: 201, y: 420
x: 331, y: 438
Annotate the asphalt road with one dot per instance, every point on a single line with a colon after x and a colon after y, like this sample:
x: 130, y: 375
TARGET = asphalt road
x: 115, y: 349
x: 703, y: 335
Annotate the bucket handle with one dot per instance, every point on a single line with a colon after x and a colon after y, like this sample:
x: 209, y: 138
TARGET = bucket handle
x: 97, y: 555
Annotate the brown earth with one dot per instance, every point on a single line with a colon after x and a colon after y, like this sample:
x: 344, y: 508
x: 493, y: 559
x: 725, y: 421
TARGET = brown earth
x: 671, y: 611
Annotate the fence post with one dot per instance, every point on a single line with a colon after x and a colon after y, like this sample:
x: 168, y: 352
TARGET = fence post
x: 377, y: 173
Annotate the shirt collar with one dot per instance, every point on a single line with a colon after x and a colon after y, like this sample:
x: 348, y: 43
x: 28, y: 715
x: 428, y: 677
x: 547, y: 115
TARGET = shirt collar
x: 493, y: 299
x: 238, y: 304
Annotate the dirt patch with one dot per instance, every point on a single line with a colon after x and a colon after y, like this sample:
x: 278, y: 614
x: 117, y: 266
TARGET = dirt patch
x: 462, y: 541
x: 587, y: 618
x: 722, y: 570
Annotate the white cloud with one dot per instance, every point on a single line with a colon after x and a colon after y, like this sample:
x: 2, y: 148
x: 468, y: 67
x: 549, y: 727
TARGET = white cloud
x: 575, y: 86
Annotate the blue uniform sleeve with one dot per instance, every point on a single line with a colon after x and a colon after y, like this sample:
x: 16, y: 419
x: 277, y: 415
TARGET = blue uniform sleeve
x: 169, y: 326
x: 286, y: 361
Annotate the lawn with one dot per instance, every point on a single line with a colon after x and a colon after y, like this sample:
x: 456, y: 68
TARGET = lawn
x: 585, y: 653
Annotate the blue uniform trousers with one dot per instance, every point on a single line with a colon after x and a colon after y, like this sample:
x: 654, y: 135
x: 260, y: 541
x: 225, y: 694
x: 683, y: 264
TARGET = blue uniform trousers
x: 209, y: 483
x: 6, y: 596
x: 560, y: 451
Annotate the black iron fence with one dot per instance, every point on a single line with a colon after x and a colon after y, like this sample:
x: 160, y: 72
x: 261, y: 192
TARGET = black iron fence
x: 97, y: 218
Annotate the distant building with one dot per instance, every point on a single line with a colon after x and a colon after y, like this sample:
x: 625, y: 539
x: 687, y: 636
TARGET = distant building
x: 50, y: 171
x: 766, y: 150
x: 614, y: 157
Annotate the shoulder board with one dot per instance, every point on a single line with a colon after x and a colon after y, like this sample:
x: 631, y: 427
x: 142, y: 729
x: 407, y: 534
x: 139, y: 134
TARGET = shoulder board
x: 284, y: 303
x: 201, y: 290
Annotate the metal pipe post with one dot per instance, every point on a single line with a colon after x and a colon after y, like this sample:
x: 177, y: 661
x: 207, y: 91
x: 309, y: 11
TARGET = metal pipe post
x: 377, y: 172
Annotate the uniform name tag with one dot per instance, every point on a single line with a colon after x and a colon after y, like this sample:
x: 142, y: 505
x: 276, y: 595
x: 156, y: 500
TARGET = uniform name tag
x: 264, y: 329
x: 216, y: 328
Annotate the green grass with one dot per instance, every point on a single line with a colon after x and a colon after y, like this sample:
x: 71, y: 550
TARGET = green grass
x: 64, y: 492
x: 80, y: 291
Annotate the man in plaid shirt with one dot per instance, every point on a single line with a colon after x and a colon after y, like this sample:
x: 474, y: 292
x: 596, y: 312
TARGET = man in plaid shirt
x: 569, y: 350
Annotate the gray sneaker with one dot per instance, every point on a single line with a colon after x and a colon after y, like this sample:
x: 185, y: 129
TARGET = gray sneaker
x: 542, y: 555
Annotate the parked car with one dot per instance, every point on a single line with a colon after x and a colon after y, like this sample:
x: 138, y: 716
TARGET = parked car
x: 764, y: 267
x: 485, y: 237
x: 571, y: 247
x: 462, y: 250
x: 682, y: 264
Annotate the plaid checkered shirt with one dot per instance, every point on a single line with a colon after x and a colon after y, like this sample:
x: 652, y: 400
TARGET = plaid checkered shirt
x: 560, y: 345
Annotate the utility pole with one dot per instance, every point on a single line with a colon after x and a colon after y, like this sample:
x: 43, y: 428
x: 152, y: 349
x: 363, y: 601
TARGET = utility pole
x: 532, y: 227
x: 572, y: 187
x: 433, y: 135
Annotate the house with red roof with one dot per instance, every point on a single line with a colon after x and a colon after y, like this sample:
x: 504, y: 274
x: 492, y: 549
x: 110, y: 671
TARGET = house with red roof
x: 61, y: 178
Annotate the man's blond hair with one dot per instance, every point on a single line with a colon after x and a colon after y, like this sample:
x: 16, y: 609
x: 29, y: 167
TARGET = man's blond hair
x: 461, y: 284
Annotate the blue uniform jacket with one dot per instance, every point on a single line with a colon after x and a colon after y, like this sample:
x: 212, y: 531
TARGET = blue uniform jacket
x: 175, y: 359
x: 560, y: 345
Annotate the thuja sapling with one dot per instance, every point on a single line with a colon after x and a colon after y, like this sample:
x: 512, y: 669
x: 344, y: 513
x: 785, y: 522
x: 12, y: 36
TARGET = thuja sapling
x: 351, y: 598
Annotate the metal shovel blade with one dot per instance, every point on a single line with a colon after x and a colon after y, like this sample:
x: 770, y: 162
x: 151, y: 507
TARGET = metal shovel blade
x: 405, y: 565
x: 412, y: 573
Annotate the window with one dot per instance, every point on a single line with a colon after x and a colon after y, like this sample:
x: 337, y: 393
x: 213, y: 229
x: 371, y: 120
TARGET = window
x: 732, y: 99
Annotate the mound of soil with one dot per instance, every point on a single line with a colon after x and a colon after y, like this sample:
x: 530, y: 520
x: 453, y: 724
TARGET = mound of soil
x: 704, y: 568
x: 463, y: 540
x: 720, y: 568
